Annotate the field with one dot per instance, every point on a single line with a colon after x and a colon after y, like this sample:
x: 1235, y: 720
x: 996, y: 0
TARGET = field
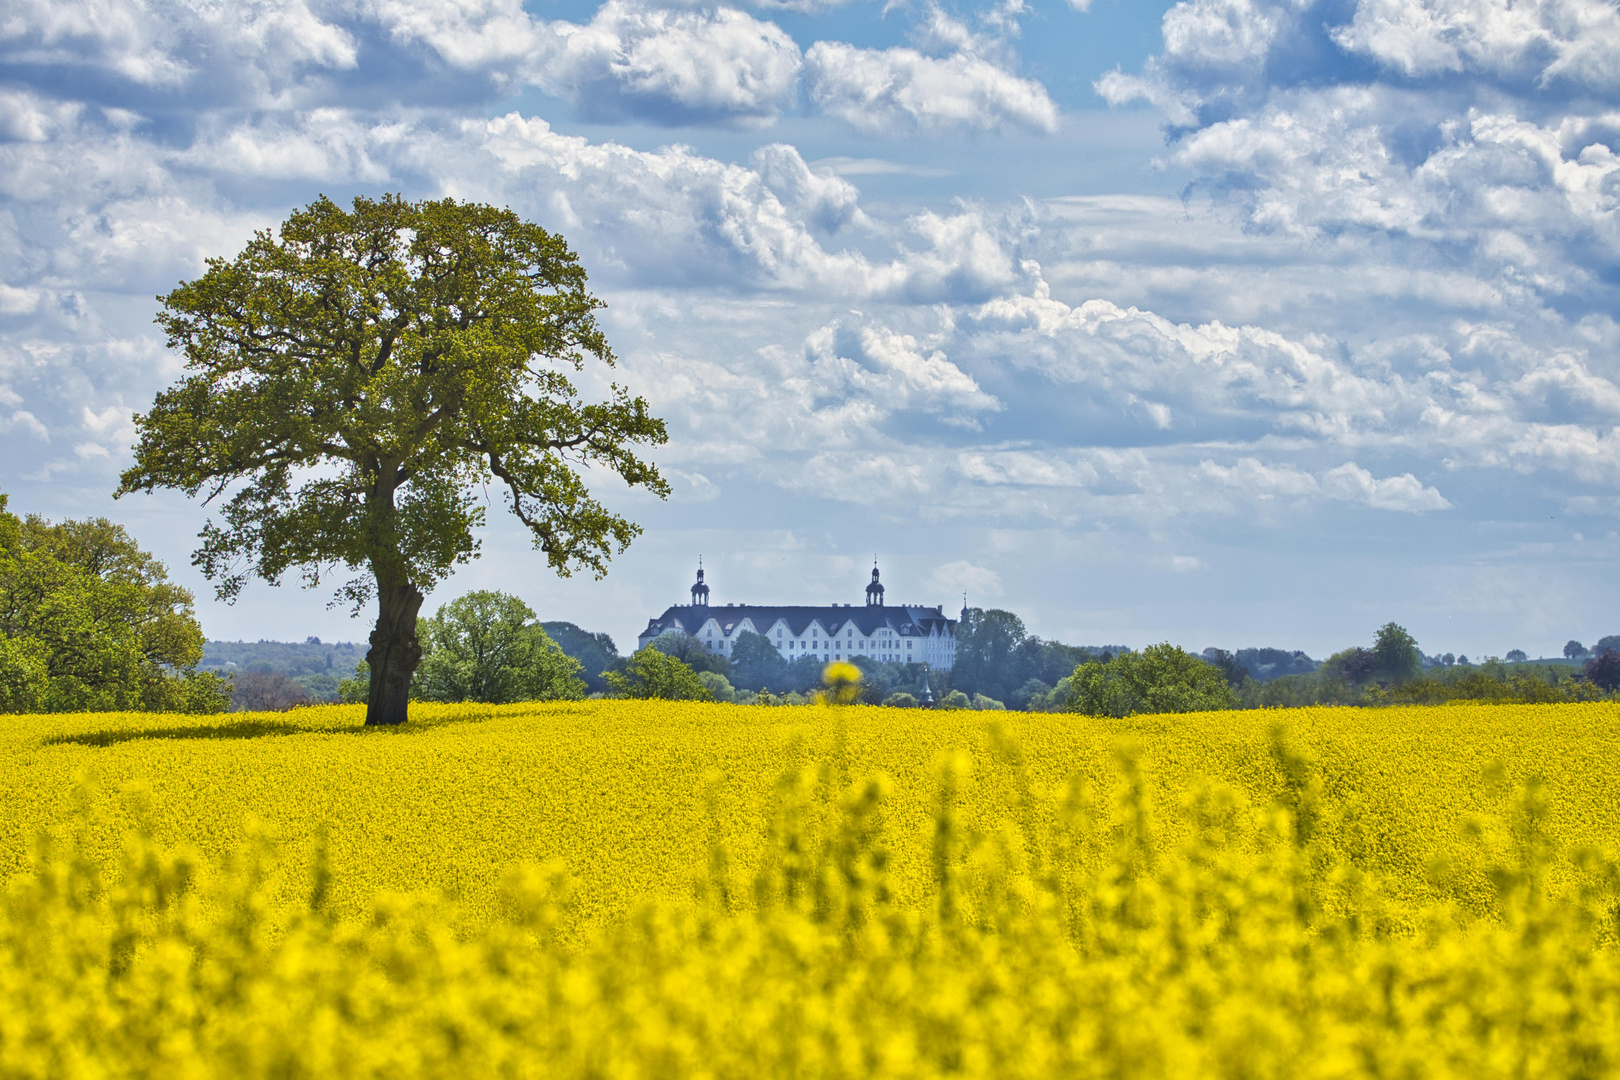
x: 631, y: 889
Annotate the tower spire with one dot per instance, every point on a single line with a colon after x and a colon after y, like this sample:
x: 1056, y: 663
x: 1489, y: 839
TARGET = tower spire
x: 700, y: 591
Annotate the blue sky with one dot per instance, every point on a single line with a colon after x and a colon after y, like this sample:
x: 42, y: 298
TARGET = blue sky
x: 1232, y: 322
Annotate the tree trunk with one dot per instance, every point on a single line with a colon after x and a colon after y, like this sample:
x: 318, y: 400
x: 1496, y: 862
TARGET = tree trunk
x: 394, y: 653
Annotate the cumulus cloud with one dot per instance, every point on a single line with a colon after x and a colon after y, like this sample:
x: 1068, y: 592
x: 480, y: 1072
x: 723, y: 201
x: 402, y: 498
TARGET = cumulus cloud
x: 669, y: 66
x: 959, y: 576
x: 1530, y: 43
x: 888, y: 91
x: 1480, y: 126
x: 258, y: 48
x: 1390, y: 288
x: 1348, y: 483
x: 894, y: 372
x: 1352, y: 483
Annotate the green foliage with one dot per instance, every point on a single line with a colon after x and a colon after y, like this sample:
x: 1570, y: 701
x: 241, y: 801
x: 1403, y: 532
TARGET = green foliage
x: 986, y: 642
x: 756, y: 664
x: 955, y: 700
x: 1159, y: 679
x: 1396, y: 658
x: 1492, y: 683
x: 997, y: 657
x: 89, y: 621
x: 654, y: 674
x: 316, y: 666
x: 596, y: 652
x: 354, y: 690
x: 359, y: 377
x: 717, y: 685
x: 692, y: 652
x: 901, y: 700
x: 486, y: 646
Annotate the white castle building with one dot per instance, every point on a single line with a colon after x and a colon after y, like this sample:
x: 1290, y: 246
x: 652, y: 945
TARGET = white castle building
x: 907, y: 634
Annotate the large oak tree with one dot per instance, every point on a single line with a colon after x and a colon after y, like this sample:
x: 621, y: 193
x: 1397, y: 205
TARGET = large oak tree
x: 355, y: 382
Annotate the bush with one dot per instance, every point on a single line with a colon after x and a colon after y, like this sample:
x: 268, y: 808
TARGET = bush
x: 901, y: 700
x: 1159, y: 679
x: 654, y: 674
x: 719, y: 688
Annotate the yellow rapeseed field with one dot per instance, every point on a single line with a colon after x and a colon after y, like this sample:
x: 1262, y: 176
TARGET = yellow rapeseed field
x: 646, y: 889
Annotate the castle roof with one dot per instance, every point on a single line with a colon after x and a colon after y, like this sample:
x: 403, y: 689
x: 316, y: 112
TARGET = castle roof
x: 906, y: 620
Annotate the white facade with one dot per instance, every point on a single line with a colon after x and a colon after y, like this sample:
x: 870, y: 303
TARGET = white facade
x: 904, y: 634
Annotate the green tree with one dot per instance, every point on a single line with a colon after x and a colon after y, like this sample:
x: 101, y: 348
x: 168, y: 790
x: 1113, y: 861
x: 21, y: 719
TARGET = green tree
x: 718, y: 686
x: 1159, y: 679
x: 691, y: 652
x: 987, y: 643
x: 596, y: 652
x: 755, y: 663
x: 653, y: 674
x: 1395, y: 655
x: 486, y: 646
x: 90, y: 621
x: 357, y: 379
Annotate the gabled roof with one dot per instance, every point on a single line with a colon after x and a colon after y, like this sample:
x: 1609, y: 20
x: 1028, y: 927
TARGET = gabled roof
x: 908, y: 621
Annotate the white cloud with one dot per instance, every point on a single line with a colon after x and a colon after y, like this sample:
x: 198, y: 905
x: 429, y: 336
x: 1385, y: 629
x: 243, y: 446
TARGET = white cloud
x: 1496, y: 159
x: 670, y: 66
x: 893, y: 371
x: 1537, y: 41
x: 820, y: 197
x: 27, y: 421
x: 32, y: 118
x: 172, y: 43
x: 897, y: 90
x: 956, y: 577
x: 1348, y: 483
x: 1352, y: 483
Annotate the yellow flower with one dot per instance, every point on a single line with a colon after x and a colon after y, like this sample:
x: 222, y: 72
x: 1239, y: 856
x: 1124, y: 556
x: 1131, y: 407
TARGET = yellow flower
x: 842, y: 681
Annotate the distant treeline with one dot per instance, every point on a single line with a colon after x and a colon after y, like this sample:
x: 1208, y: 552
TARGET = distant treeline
x: 999, y: 664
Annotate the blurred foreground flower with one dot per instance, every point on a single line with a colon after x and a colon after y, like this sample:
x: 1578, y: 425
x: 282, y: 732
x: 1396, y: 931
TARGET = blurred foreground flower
x: 842, y: 683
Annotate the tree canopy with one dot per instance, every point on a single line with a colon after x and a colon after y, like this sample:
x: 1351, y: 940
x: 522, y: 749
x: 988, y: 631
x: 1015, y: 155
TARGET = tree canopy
x: 486, y: 646
x: 654, y: 674
x: 596, y: 652
x: 356, y: 379
x: 997, y: 657
x: 1159, y: 679
x: 1396, y: 657
x: 756, y: 663
x: 90, y: 621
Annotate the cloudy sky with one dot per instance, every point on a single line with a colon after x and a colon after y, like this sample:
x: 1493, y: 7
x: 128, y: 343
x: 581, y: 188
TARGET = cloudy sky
x: 1232, y: 322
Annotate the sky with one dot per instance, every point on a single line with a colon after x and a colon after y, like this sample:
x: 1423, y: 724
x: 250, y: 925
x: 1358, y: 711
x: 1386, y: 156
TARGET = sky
x: 1228, y: 322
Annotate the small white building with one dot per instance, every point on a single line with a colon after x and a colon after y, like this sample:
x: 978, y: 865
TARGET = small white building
x: 906, y: 634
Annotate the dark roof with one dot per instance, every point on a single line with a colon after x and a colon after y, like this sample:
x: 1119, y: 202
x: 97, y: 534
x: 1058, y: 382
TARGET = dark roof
x: 907, y: 620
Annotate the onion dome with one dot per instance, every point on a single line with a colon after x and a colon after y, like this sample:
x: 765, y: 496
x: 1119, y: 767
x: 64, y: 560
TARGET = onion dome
x: 700, y: 591
x: 874, y: 591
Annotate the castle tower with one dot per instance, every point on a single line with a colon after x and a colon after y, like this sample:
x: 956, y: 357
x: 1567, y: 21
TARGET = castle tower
x: 874, y: 591
x: 700, y: 591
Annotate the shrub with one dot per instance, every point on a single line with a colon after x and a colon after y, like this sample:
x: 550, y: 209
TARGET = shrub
x: 1159, y: 679
x: 653, y: 674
